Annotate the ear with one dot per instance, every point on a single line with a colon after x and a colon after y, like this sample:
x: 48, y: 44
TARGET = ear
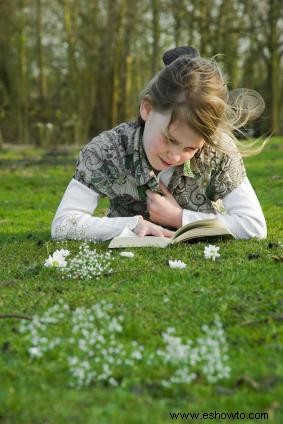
x: 145, y: 109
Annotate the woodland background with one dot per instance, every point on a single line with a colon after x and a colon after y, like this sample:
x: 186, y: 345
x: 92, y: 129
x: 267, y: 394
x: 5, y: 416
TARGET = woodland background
x: 72, y: 68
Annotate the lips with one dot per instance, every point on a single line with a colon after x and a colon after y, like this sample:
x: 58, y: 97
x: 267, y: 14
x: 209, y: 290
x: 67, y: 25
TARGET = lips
x: 165, y: 163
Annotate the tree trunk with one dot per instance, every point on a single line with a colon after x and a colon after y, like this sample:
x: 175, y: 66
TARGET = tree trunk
x: 155, y: 6
x: 1, y: 140
x: 42, y: 87
x: 275, y: 76
x: 22, y: 83
x: 102, y: 111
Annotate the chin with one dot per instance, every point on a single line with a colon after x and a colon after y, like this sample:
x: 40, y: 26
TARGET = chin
x: 161, y: 167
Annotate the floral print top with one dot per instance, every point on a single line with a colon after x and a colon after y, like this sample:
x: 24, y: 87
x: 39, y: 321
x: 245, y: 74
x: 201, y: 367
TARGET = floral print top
x: 114, y: 164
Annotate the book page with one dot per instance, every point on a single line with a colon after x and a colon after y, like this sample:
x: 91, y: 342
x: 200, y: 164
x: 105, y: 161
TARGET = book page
x: 208, y: 223
x: 197, y: 229
x: 202, y: 232
x: 136, y: 241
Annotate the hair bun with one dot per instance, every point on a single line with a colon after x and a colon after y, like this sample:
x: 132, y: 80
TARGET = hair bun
x: 172, y: 54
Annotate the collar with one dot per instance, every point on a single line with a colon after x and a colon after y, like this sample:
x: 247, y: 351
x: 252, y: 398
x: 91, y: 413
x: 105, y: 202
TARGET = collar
x: 191, y: 168
x: 144, y: 174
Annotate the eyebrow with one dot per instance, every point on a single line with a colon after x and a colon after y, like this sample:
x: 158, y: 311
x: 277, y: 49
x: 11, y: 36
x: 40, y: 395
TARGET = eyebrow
x: 173, y: 138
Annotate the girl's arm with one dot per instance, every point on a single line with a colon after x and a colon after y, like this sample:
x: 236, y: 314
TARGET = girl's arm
x: 243, y: 214
x: 74, y: 220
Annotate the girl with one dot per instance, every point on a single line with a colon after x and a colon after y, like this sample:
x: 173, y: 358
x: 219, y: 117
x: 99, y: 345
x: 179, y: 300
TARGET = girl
x: 170, y: 166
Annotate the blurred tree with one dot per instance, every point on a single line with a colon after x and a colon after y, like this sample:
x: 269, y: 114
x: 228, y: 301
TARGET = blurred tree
x: 228, y: 28
x: 123, y: 61
x: 21, y: 80
x: 270, y: 43
x: 72, y: 68
x: 155, y: 6
x: 102, y: 110
x: 179, y: 12
x: 263, y: 65
x: 42, y: 83
x: 14, y: 71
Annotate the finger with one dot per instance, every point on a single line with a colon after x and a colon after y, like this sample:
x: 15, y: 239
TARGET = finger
x: 168, y: 233
x: 164, y: 189
x: 151, y: 194
x: 157, y: 232
x: 142, y: 232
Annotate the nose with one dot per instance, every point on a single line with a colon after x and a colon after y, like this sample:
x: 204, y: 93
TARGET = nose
x: 174, y: 156
x: 177, y: 156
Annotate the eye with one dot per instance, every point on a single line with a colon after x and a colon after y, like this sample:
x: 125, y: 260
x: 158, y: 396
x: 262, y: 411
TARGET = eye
x: 190, y: 149
x: 170, y: 140
x: 174, y: 142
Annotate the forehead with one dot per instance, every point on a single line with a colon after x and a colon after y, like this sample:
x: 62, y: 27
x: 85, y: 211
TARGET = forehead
x: 178, y: 130
x: 185, y: 134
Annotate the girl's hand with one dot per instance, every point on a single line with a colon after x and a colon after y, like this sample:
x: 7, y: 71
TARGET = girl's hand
x: 146, y: 228
x: 164, y: 210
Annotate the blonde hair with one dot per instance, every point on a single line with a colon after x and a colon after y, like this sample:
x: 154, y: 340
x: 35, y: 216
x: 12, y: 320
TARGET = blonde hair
x: 195, y: 91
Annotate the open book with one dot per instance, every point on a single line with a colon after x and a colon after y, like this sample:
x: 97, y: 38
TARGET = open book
x: 195, y: 231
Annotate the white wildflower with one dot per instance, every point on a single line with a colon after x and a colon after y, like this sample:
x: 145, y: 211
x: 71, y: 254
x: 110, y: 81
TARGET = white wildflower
x: 49, y: 262
x: 177, y: 264
x: 93, y: 335
x: 211, y: 252
x: 114, y: 326
x: 113, y: 381
x: 136, y: 354
x: 35, y: 352
x: 88, y: 264
x: 127, y: 254
x: 181, y: 376
x: 212, y: 352
x: 63, y: 252
x: 207, y: 354
x: 219, y: 207
x: 57, y: 260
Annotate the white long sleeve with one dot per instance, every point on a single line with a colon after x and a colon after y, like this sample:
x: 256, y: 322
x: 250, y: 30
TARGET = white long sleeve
x: 243, y: 214
x: 74, y: 220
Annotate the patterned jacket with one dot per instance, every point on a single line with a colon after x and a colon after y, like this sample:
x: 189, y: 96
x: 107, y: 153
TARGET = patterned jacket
x: 114, y: 164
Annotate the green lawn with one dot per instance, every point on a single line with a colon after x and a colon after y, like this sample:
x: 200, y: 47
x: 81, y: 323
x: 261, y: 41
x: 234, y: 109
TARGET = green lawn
x: 244, y: 287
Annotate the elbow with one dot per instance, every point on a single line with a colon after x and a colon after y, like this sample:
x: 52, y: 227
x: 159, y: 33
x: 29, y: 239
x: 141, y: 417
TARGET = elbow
x: 253, y: 228
x: 259, y: 228
x: 57, y: 229
x: 53, y: 230
x: 261, y: 232
x: 68, y: 227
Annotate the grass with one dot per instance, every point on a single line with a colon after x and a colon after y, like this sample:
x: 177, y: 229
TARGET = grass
x: 244, y: 287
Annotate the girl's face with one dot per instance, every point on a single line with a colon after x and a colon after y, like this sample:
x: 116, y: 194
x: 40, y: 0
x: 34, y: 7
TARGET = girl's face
x: 165, y: 148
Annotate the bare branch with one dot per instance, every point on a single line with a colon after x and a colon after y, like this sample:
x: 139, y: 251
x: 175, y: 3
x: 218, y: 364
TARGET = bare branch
x: 19, y: 316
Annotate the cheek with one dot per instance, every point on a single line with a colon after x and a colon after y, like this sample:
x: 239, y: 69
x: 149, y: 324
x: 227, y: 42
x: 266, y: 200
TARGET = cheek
x: 157, y: 143
x: 188, y: 155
